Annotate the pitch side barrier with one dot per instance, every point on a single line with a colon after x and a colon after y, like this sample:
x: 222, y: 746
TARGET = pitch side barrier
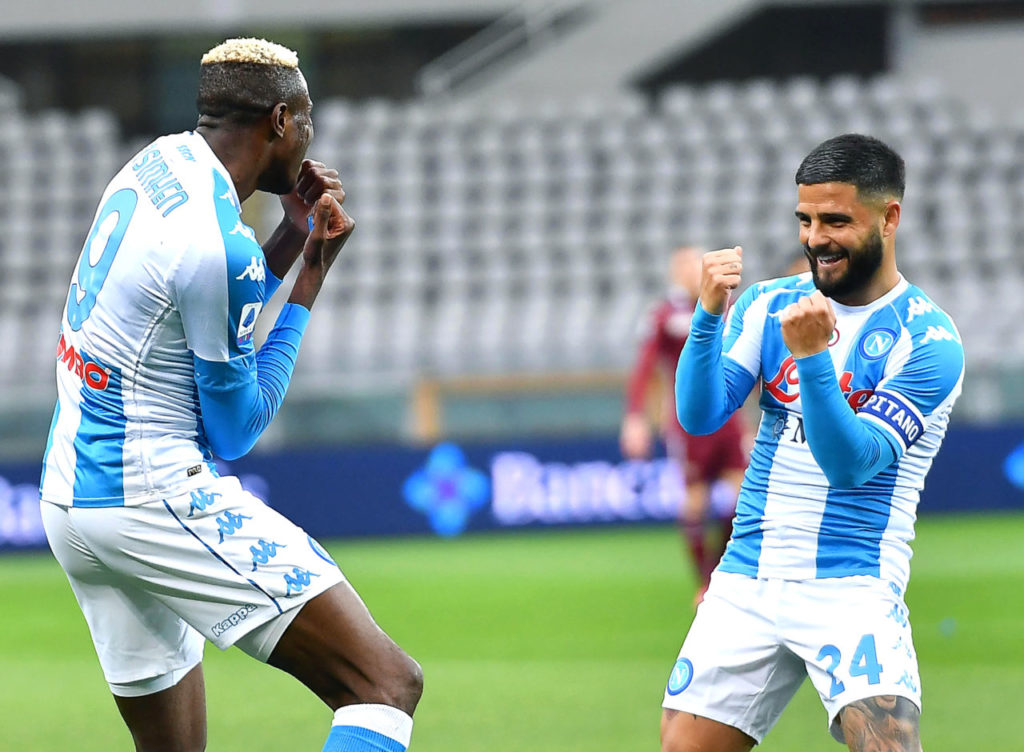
x: 450, y: 489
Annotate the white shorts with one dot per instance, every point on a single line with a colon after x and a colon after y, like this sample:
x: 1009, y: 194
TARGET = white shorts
x: 754, y: 640
x: 156, y: 580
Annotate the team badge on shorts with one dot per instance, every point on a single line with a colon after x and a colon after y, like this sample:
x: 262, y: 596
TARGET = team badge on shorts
x: 682, y: 674
x: 320, y: 551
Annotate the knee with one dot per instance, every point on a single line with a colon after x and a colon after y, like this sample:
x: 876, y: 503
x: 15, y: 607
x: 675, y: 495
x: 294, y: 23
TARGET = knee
x: 398, y: 683
x: 405, y: 685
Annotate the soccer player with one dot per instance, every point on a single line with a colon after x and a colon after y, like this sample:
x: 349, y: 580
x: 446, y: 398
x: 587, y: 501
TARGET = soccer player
x: 157, y: 373
x: 859, y: 370
x: 703, y: 460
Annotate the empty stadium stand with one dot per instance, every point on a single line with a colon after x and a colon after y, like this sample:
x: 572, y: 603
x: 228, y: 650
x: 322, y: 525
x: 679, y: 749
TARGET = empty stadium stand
x: 528, y: 237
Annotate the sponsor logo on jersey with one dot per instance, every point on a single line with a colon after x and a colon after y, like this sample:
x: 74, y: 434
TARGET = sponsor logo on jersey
x: 681, y: 676
x: 92, y: 374
x: 247, y: 321
x: 234, y: 620
x: 877, y: 343
x: 785, y: 386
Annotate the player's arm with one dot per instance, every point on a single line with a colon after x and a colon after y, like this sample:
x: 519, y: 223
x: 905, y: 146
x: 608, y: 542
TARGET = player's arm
x: 240, y: 390
x: 635, y: 435
x: 852, y: 447
x: 849, y: 450
x: 709, y: 387
x: 285, y: 245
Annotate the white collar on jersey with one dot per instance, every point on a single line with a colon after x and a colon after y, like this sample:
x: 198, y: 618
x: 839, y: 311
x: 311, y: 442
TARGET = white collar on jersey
x: 898, y: 289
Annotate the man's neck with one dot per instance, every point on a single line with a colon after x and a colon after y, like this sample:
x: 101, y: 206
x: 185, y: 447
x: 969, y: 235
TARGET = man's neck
x: 232, y: 146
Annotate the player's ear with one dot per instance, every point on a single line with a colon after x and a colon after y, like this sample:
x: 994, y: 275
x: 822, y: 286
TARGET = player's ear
x: 278, y: 119
x: 890, y: 218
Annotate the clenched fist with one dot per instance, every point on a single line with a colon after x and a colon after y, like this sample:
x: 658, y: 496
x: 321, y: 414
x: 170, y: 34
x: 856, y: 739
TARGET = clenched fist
x: 719, y: 276
x: 807, y: 325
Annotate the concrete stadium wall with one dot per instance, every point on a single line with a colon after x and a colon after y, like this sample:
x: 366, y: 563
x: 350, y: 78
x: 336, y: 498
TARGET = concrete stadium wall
x: 977, y: 63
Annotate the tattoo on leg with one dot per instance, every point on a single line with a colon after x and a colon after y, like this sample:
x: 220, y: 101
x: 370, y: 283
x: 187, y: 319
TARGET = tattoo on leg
x: 882, y: 724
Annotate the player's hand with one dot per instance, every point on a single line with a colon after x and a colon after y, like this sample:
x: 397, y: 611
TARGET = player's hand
x: 332, y: 226
x: 635, y: 439
x: 807, y: 325
x: 315, y: 179
x: 720, y: 274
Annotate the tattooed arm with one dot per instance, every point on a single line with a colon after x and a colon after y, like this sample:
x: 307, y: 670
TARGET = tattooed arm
x: 882, y: 724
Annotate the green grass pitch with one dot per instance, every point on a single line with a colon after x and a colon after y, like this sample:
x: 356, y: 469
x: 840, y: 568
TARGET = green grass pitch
x: 553, y: 641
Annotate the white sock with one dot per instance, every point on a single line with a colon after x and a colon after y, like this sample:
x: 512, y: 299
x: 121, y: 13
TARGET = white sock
x: 369, y: 728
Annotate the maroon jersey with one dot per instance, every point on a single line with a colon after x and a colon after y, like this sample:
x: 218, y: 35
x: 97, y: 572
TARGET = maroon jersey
x: 665, y: 329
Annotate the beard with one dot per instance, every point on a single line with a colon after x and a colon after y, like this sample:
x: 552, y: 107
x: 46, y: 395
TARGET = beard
x: 861, y: 266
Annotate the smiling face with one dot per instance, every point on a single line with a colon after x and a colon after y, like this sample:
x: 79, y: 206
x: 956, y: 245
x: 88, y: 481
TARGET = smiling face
x: 848, y: 242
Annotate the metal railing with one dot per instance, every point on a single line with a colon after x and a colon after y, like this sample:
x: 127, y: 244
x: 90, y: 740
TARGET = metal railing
x: 519, y: 32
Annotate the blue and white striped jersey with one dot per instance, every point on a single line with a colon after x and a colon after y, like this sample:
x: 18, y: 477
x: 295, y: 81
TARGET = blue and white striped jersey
x: 897, y: 362
x: 169, y: 277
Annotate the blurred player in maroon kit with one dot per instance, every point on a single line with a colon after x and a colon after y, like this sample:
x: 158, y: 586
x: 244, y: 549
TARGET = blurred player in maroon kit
x: 704, y: 460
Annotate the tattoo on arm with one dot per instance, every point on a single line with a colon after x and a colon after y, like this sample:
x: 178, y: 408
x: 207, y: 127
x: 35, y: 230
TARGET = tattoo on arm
x: 882, y: 724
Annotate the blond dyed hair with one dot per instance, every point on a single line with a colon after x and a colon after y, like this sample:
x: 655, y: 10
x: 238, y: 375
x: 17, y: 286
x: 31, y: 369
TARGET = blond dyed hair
x: 241, y: 80
x: 252, y: 50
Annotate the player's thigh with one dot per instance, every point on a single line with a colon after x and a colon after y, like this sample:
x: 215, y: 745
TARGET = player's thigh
x: 883, y: 722
x: 143, y: 647
x: 335, y: 648
x: 731, y: 668
x: 218, y: 557
x: 685, y: 732
x: 854, y: 636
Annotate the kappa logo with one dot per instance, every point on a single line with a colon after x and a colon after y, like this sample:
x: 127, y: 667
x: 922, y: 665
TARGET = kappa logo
x: 681, y: 676
x: 201, y: 500
x: 264, y: 552
x: 230, y: 524
x: 938, y: 334
x: 236, y: 618
x: 908, y: 681
x: 245, y: 231
x: 298, y: 580
x: 877, y: 343
x: 918, y: 307
x: 255, y: 270
x: 247, y: 321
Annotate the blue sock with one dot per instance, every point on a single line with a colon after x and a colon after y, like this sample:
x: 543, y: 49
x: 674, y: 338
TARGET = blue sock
x: 369, y: 728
